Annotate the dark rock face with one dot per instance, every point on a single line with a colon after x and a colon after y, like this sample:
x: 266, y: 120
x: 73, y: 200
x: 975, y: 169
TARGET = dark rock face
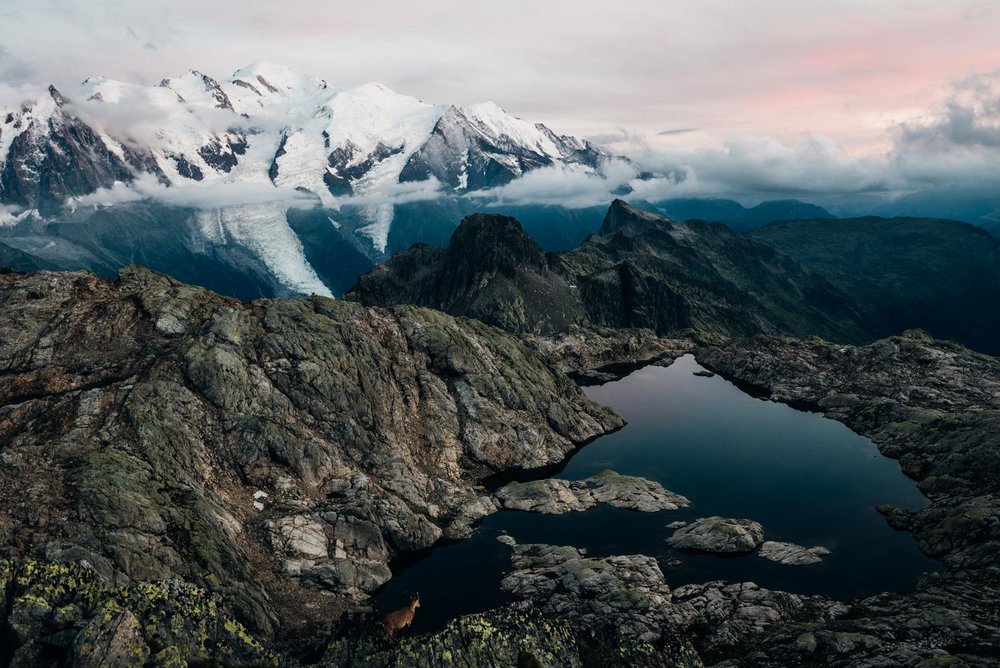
x: 347, y: 166
x: 62, y: 157
x: 188, y: 170
x: 644, y: 270
x: 640, y: 271
x: 462, y: 157
x: 155, y: 430
x: 223, y: 155
x: 492, y: 270
x: 938, y: 275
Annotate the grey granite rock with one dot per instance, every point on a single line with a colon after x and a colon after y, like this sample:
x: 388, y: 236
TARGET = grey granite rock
x: 718, y: 534
x: 553, y: 496
x: 790, y: 554
x: 144, y: 420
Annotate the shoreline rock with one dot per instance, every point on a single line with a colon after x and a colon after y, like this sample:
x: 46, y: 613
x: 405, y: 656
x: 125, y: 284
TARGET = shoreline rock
x: 790, y: 554
x: 553, y: 496
x: 720, y: 535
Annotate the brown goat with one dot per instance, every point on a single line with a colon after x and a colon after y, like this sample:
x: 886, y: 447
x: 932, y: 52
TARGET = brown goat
x: 400, y: 618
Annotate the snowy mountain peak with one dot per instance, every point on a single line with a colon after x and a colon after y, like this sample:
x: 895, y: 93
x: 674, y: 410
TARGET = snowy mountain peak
x: 494, y: 121
x: 267, y: 78
x: 266, y: 129
x: 197, y: 88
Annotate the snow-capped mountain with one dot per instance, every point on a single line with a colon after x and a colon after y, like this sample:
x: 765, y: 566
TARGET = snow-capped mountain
x: 105, y: 141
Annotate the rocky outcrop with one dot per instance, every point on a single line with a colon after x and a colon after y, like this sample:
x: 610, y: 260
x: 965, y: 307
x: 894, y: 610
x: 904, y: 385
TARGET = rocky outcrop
x: 728, y: 618
x: 492, y: 271
x: 552, y: 496
x: 790, y: 554
x: 573, y: 611
x: 641, y: 270
x: 721, y: 535
x: 589, y: 352
x: 718, y: 534
x: 265, y: 452
x: 949, y: 620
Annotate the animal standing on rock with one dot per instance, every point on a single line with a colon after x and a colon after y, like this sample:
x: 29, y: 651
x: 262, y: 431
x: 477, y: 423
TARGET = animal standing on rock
x: 401, y: 618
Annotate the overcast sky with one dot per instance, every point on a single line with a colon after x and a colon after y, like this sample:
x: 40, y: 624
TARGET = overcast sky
x: 841, y: 79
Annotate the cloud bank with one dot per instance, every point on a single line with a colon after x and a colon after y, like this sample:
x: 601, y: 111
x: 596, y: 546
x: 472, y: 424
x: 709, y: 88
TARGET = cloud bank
x: 955, y: 146
x: 195, y: 195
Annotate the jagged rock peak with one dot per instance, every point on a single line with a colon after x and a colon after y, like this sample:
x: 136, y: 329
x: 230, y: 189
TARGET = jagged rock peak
x: 57, y: 96
x: 621, y: 213
x: 493, y: 242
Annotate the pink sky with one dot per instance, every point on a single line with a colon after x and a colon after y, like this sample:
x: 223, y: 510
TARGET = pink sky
x: 847, y: 69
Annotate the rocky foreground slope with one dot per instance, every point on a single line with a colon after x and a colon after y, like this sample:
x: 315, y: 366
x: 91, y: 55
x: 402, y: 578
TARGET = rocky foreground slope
x: 188, y: 479
x: 640, y: 270
x: 276, y: 454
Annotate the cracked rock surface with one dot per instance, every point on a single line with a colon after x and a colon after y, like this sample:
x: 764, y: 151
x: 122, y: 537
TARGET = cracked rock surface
x: 268, y: 451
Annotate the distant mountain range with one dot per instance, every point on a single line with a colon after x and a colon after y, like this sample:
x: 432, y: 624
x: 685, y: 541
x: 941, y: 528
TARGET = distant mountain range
x: 272, y: 183
x: 845, y: 280
x: 735, y: 215
x: 260, y: 144
x: 639, y: 270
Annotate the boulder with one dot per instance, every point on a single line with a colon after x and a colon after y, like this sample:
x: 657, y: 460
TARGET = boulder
x: 719, y: 535
x: 790, y: 554
x: 554, y: 496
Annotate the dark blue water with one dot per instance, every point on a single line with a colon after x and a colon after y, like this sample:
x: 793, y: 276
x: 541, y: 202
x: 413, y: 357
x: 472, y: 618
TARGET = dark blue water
x: 807, y: 479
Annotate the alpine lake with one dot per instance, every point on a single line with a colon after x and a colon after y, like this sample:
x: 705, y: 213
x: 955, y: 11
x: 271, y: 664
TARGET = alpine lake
x: 807, y: 479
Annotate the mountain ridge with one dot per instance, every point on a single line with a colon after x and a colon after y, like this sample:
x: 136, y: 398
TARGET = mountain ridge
x: 640, y: 270
x: 938, y: 275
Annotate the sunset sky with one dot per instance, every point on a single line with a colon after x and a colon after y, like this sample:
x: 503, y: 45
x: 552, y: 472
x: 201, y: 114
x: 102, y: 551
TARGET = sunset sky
x: 848, y: 78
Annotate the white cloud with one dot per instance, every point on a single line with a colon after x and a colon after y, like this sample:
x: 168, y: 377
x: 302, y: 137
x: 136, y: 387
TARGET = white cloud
x: 138, y: 117
x: 567, y: 186
x: 396, y: 193
x: 8, y: 214
x: 763, y: 165
x: 196, y: 195
x: 958, y: 144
